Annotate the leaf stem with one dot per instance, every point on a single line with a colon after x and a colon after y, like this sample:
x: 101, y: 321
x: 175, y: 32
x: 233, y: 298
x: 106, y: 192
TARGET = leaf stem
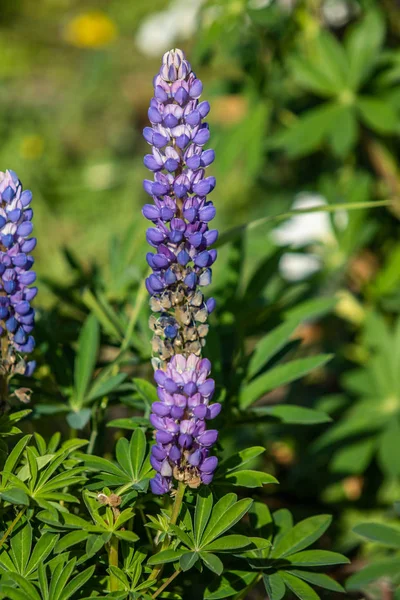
x: 178, y: 502
x: 13, y: 524
x: 244, y: 593
x: 166, y: 583
x: 174, y: 517
x: 113, y: 562
x: 235, y: 232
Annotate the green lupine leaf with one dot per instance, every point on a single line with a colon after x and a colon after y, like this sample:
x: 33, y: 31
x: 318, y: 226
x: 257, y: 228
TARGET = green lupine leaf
x: 127, y: 536
x: 308, y: 132
x: 15, y: 496
x: 388, y: 567
x: 131, y: 423
x: 95, y: 542
x: 165, y: 556
x: 12, y: 593
x: 227, y: 542
x: 362, y: 45
x: 13, y: 458
x: 28, y: 589
x: 274, y: 586
x: 388, y: 454
x: 299, y: 587
x: 378, y: 114
x: 241, y: 458
x: 319, y: 579
x: 202, y: 512
x: 270, y: 345
x: 77, y: 582
x: 328, y: 55
x: 250, y: 479
x: 70, y: 539
x: 44, y: 546
x: 78, y: 419
x: 104, y: 386
x: 302, y: 535
x: 183, y: 536
x: 317, y: 558
x: 137, y: 452
x: 85, y: 362
x: 212, y: 562
x: 146, y: 390
x: 283, y: 522
x: 230, y: 584
x: 188, y: 560
x: 227, y: 520
x: 378, y: 532
x: 344, y: 133
x: 120, y: 575
x: 291, y: 414
x: 311, y: 77
x: 354, y: 458
x: 278, y: 376
x: 20, y: 546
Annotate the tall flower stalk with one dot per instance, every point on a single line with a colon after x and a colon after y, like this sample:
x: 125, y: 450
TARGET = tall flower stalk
x: 181, y: 264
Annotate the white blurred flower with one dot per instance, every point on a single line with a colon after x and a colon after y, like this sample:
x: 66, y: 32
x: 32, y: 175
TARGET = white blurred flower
x: 337, y: 13
x: 294, y: 266
x: 159, y: 31
x: 305, y: 230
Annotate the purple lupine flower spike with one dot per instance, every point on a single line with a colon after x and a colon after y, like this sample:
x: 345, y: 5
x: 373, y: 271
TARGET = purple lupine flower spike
x: 180, y: 212
x: 181, y: 265
x: 16, y: 275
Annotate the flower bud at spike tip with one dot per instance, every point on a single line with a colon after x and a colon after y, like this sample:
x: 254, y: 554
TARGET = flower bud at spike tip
x: 181, y: 262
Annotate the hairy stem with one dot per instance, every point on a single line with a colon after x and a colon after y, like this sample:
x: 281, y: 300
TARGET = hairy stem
x: 166, y: 583
x: 13, y: 524
x: 174, y: 517
x: 113, y: 562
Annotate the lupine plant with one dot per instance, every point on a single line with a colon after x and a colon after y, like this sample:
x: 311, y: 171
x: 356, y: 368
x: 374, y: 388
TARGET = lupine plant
x: 167, y: 515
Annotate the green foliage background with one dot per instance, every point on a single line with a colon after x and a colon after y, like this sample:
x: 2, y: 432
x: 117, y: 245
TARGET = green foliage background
x: 305, y: 103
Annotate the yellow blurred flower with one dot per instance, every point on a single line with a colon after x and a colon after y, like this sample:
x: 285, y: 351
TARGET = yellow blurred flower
x: 92, y: 29
x: 31, y: 147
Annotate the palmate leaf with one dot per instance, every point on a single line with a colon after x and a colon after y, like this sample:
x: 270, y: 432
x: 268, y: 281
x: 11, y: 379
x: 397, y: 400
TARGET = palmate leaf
x: 133, y: 467
x: 205, y: 539
x: 22, y: 558
x: 278, y: 376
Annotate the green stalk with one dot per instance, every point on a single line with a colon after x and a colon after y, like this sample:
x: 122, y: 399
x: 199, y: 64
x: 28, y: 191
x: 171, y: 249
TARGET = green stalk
x: 13, y: 524
x: 244, y: 593
x: 166, y: 583
x: 174, y: 517
x: 113, y: 562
